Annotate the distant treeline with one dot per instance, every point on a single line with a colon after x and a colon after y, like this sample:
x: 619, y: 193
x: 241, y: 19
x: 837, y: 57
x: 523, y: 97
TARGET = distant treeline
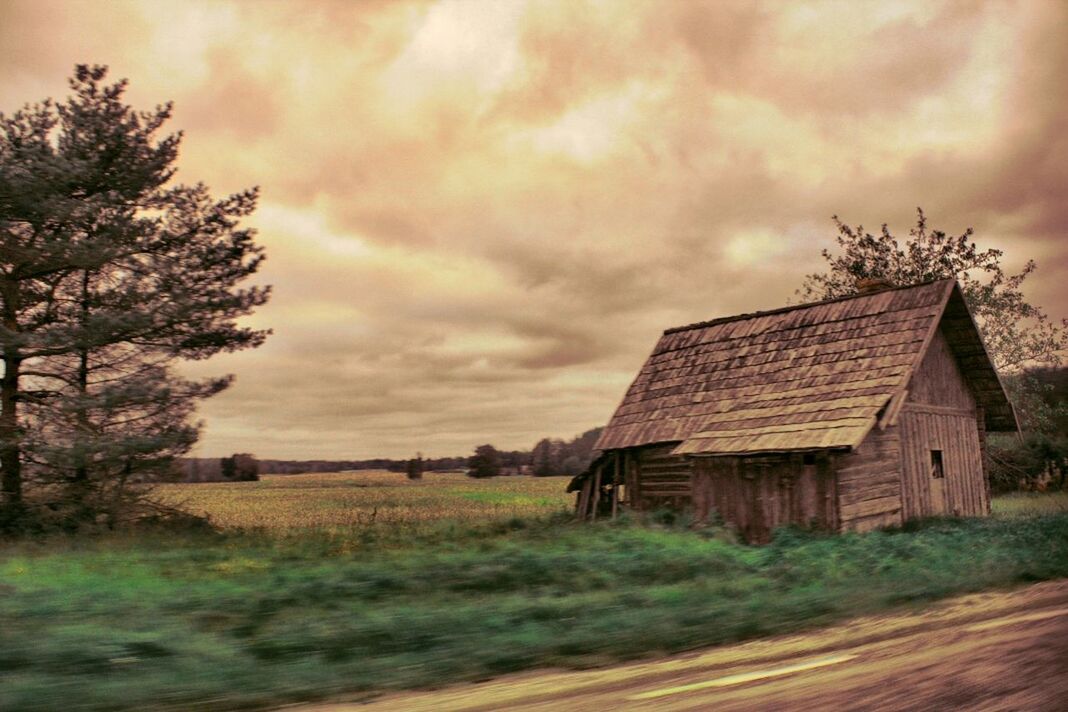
x: 548, y: 457
x: 1035, y: 459
x: 239, y: 467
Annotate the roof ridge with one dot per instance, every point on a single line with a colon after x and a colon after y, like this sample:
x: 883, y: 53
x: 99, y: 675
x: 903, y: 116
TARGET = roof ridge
x: 794, y: 307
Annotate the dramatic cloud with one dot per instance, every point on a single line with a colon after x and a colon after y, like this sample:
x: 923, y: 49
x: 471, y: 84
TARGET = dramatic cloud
x: 479, y: 215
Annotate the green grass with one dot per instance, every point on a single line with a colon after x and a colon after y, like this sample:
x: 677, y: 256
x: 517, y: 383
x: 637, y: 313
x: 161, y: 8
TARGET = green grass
x: 244, y: 619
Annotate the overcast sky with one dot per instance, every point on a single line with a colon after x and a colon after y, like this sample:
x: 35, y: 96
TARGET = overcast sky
x: 479, y: 216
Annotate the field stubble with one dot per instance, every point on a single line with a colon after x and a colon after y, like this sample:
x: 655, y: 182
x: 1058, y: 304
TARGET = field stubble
x: 341, y: 501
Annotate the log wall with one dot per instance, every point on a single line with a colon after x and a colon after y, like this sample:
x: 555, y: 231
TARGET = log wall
x: 660, y: 479
x: 869, y: 483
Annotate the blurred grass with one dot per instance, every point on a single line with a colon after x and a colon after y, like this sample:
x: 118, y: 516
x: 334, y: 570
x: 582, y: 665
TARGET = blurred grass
x: 1024, y: 504
x: 247, y: 619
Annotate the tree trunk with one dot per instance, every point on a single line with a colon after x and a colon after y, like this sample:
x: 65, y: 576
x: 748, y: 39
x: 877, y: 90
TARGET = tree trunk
x: 81, y: 472
x: 79, y: 490
x: 11, y: 504
x: 10, y: 452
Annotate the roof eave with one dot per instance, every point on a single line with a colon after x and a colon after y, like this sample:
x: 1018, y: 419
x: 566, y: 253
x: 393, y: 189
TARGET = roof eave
x: 1014, y: 419
x: 776, y: 451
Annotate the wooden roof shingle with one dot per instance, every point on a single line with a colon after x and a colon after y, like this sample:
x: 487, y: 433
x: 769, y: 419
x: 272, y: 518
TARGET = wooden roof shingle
x: 810, y: 376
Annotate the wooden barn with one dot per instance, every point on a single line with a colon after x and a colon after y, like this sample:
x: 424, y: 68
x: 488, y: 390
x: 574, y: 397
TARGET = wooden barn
x: 847, y: 415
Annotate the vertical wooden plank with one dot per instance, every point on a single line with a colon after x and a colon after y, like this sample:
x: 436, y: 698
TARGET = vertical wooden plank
x: 979, y: 482
x: 923, y: 486
x: 635, y: 464
x: 908, y: 444
x: 697, y: 489
x: 699, y: 477
x: 969, y: 481
x: 721, y: 487
x: 758, y: 521
x: 769, y: 496
x: 984, y: 460
x: 616, y: 479
x: 738, y: 505
x: 596, y: 498
x: 792, y: 492
x: 931, y: 444
x: 920, y: 464
x: 582, y: 502
x: 954, y: 504
x: 615, y: 500
x: 830, y: 483
x: 630, y: 480
x: 923, y: 474
x: 712, y: 468
x: 961, y: 502
x: 957, y: 498
x: 938, y: 426
x: 808, y: 495
x: 978, y: 485
x: 984, y: 468
x: 981, y: 485
x: 908, y: 449
x: 919, y: 453
x: 939, y: 423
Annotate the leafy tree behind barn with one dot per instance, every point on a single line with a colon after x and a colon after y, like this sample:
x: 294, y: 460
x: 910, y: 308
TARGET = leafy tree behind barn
x: 1024, y: 343
x: 1016, y: 332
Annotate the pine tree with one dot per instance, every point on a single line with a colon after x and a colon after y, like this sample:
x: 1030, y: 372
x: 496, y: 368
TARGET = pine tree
x: 108, y: 274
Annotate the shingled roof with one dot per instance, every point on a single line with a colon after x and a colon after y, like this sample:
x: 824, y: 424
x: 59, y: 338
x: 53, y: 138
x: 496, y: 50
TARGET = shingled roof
x: 804, y: 377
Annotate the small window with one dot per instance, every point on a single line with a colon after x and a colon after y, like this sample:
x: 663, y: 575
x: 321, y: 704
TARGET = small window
x: 809, y: 458
x: 937, y: 471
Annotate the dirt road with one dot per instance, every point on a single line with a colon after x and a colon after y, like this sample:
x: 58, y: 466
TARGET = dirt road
x: 996, y: 651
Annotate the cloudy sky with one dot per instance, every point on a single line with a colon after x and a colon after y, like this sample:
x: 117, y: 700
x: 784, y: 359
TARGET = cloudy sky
x: 480, y: 215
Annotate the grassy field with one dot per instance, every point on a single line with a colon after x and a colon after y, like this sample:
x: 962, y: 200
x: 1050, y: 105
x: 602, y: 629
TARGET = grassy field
x: 1028, y: 504
x: 490, y: 579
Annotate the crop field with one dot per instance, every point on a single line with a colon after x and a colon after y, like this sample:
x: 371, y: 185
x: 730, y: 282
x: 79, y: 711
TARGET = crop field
x: 335, y: 502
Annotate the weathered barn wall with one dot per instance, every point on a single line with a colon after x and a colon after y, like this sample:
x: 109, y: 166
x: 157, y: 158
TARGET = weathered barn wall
x: 938, y: 380
x: 940, y: 415
x: 662, y: 479
x: 869, y: 482
x: 756, y: 495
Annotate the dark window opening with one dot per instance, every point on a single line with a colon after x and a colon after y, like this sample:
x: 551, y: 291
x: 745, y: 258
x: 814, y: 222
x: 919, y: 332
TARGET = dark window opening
x: 809, y: 458
x: 937, y: 470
